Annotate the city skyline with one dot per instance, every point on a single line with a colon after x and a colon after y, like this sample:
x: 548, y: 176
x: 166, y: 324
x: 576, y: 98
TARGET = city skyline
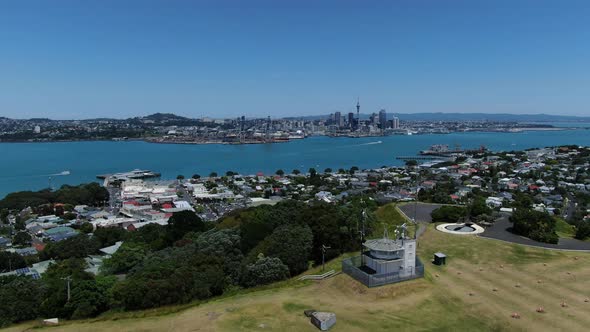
x: 122, y: 59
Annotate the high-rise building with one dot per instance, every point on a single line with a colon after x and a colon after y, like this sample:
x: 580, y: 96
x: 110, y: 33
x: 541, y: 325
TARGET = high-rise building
x: 351, y: 120
x: 373, y: 119
x: 382, y: 119
x: 395, y: 122
x: 338, y: 119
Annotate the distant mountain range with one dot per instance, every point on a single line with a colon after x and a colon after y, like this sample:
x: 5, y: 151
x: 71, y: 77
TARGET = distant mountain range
x: 501, y: 117
x: 168, y: 118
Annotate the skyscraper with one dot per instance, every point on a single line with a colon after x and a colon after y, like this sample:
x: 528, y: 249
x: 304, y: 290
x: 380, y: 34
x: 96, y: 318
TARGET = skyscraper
x: 382, y: 119
x: 395, y: 122
x: 338, y: 119
x: 351, y: 120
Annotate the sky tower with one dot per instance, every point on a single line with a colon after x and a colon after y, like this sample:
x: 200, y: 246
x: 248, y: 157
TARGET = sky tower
x: 358, y: 114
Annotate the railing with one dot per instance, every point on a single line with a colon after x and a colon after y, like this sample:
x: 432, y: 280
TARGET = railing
x: 351, y: 266
x: 318, y: 276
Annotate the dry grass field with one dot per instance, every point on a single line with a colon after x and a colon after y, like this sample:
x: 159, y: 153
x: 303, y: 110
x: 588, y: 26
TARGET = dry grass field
x: 483, y: 285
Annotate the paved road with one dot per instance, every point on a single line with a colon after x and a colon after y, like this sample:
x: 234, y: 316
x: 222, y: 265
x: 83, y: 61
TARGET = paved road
x: 499, y: 231
x: 421, y: 210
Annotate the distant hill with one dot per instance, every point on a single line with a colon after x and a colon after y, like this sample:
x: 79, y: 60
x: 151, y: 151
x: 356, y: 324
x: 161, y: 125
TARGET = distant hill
x: 164, y: 117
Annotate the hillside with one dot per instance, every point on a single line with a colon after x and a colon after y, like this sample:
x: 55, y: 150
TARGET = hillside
x: 484, y: 282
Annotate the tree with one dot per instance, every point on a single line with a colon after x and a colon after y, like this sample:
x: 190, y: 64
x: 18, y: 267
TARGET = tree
x: 78, y: 246
x: 128, y: 256
x: 213, y: 175
x: 230, y: 173
x: 538, y: 226
x: 183, y: 222
x: 353, y: 169
x: 448, y: 214
x: 54, y: 303
x: 479, y: 207
x: 582, y: 230
x: 411, y: 163
x: 10, y: 261
x: 180, y: 177
x: 312, y: 172
x: 264, y: 271
x: 22, y: 239
x: 196, y: 176
x: 280, y: 172
x: 4, y: 216
x: 108, y: 236
x: 86, y: 228
x: 292, y: 244
x: 89, y: 297
x: 224, y: 244
x: 173, y: 275
x: 296, y: 172
x: 328, y: 170
x: 21, y: 299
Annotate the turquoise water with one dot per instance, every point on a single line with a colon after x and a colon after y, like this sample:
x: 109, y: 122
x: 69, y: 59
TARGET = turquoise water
x: 27, y: 166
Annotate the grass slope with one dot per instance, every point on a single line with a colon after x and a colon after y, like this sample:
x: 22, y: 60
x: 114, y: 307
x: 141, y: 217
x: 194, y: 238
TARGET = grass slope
x: 484, y: 282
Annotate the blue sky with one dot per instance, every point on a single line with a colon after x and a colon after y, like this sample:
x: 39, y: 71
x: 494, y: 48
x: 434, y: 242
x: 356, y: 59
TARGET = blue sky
x: 119, y: 58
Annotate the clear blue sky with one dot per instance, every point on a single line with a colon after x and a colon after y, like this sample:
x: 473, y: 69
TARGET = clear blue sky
x: 119, y: 58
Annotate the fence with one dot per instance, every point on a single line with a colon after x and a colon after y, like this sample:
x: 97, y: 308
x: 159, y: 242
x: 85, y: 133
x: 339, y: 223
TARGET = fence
x: 351, y: 266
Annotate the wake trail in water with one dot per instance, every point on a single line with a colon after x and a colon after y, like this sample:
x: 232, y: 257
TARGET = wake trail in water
x: 10, y: 177
x: 369, y: 143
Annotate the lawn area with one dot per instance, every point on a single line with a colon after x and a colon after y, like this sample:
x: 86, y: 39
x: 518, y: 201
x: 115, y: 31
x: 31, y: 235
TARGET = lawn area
x: 389, y: 216
x: 564, y: 229
x: 483, y: 283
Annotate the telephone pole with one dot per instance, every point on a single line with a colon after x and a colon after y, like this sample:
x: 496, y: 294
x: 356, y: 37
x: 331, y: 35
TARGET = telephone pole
x: 324, y: 248
x: 68, y: 279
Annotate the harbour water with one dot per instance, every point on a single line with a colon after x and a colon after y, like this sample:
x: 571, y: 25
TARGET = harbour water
x: 28, y: 166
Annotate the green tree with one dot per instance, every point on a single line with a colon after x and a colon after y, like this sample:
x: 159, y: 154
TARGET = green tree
x: 169, y: 276
x: 180, y: 177
x: 224, y: 244
x: 280, y: 172
x: 86, y: 228
x: 292, y: 244
x: 128, y: 256
x: 448, y: 214
x: 479, y: 207
x: 108, y: 236
x: 22, y: 238
x: 78, y: 246
x: 213, y: 175
x: 582, y: 230
x: 264, y: 271
x: 312, y: 172
x: 538, y: 226
x: 296, y: 172
x: 21, y: 299
x: 411, y: 163
x: 10, y: 261
x: 184, y: 222
x: 196, y: 176
x: 328, y: 170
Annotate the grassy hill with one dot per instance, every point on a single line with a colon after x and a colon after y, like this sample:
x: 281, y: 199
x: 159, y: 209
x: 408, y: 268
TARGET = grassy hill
x: 484, y: 282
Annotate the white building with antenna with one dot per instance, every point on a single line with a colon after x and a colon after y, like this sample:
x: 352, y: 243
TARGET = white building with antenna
x: 385, y: 261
